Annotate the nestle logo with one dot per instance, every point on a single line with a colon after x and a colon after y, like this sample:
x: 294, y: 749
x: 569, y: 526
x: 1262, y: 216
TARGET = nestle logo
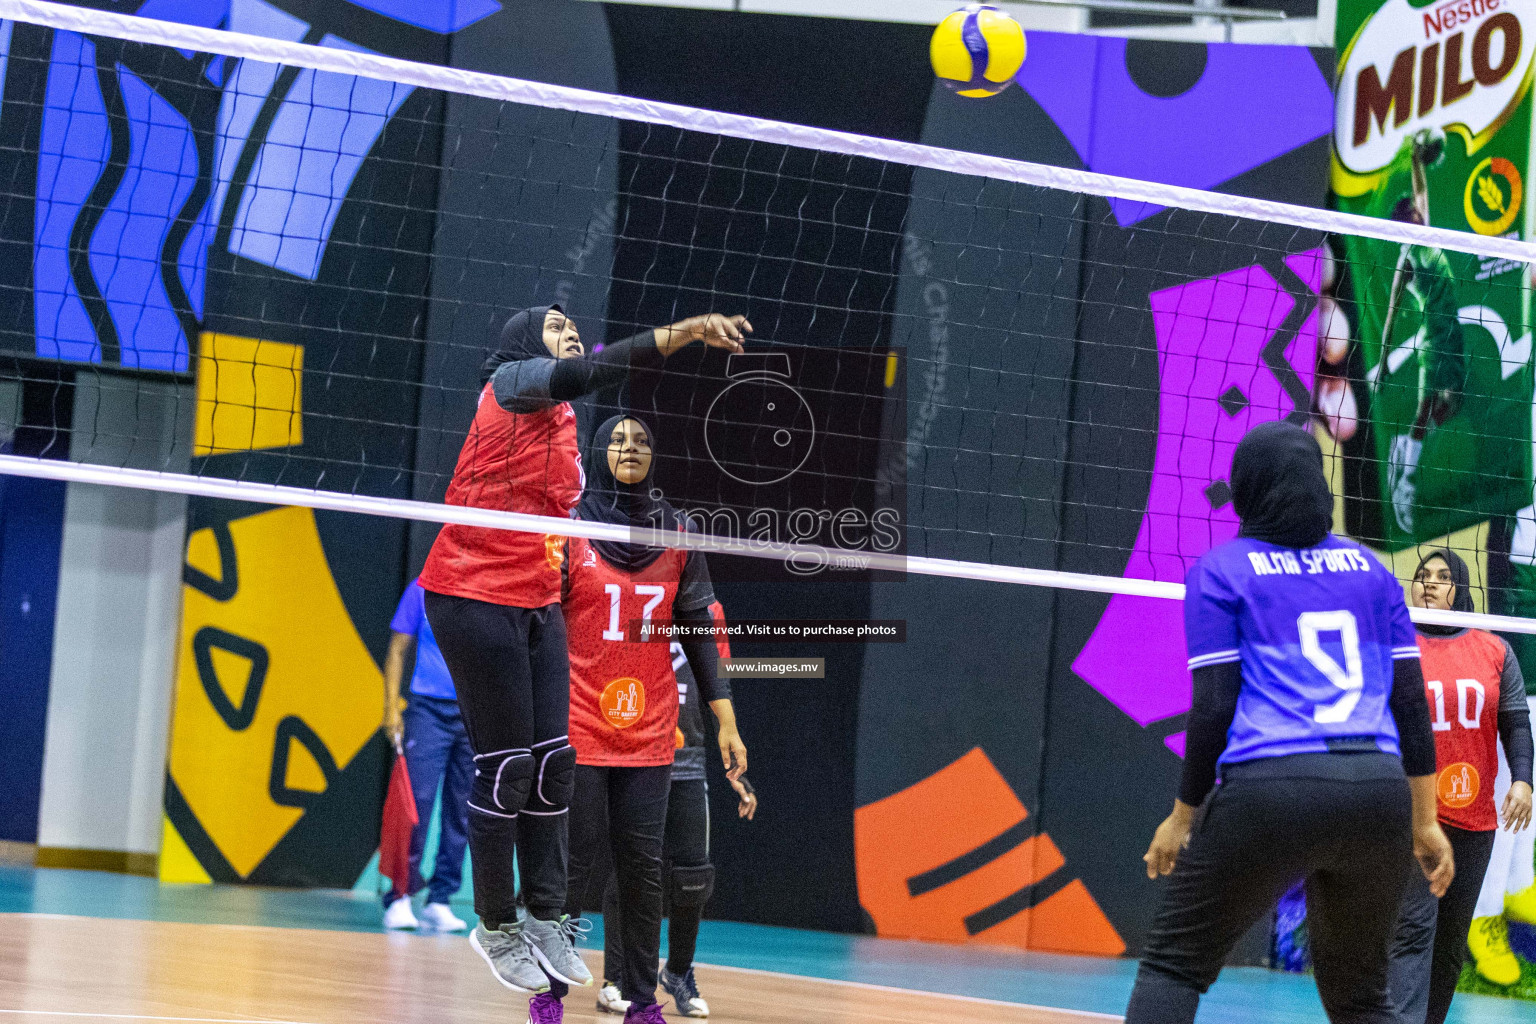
x: 1457, y: 12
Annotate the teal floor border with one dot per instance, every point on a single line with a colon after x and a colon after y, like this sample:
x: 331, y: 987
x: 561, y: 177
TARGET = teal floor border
x: 1242, y: 996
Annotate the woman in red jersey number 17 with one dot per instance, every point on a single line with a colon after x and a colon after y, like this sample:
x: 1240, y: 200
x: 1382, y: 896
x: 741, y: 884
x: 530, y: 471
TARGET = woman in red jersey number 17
x: 624, y: 699
x: 1476, y: 700
x: 493, y: 599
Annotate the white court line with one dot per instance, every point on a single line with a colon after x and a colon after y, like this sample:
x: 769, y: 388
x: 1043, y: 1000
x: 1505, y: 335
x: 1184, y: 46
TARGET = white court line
x: 870, y: 986
x: 146, y: 1016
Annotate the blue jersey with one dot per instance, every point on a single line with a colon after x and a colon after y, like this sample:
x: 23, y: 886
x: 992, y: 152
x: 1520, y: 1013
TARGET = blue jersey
x: 1316, y: 630
x: 430, y: 679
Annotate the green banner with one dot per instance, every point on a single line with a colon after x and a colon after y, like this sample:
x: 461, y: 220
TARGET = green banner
x: 1433, y: 125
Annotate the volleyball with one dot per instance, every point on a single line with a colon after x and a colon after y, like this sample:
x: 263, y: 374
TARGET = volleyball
x: 977, y: 50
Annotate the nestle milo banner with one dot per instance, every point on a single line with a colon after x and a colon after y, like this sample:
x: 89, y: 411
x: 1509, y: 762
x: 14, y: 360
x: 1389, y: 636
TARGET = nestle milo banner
x: 1433, y: 125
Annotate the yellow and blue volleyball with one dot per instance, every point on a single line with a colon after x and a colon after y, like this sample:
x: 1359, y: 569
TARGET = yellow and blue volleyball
x: 977, y: 50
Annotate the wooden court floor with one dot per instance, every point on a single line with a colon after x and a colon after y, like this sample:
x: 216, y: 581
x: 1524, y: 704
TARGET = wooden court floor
x: 72, y: 970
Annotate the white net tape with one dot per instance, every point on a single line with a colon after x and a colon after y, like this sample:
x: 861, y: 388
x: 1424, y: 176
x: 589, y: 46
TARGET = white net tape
x: 510, y: 90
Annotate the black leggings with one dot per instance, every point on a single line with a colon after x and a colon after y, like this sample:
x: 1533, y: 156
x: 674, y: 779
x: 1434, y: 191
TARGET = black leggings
x: 1431, y: 940
x: 512, y: 675
x: 686, y: 846
x: 1256, y: 837
x: 624, y: 809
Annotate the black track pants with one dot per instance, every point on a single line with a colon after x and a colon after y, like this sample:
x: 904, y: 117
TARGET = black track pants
x: 1255, y: 837
x: 512, y: 674
x: 686, y: 845
x: 1431, y: 940
x: 625, y: 810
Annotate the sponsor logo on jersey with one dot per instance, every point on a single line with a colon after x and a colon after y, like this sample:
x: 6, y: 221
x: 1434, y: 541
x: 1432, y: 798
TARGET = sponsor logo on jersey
x: 554, y: 551
x: 1458, y: 785
x: 622, y: 702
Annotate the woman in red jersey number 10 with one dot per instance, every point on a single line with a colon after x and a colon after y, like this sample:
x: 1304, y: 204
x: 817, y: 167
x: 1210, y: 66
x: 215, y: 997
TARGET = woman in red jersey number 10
x: 624, y: 698
x: 493, y: 599
x: 1476, y: 700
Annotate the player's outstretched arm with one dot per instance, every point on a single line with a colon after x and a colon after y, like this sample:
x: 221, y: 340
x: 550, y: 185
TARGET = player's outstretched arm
x: 713, y: 329
x: 535, y: 384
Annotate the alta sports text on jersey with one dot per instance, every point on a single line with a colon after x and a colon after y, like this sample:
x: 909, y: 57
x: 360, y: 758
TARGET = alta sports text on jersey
x: 1307, y: 562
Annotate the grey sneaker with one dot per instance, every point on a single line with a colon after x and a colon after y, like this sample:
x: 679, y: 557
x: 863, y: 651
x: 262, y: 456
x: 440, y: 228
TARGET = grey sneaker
x: 553, y: 945
x: 684, y: 992
x: 508, y: 954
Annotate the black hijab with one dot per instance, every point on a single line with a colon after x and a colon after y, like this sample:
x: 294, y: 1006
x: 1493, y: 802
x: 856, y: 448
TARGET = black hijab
x: 606, y: 500
x: 1279, y: 489
x: 1461, y: 601
x: 522, y: 337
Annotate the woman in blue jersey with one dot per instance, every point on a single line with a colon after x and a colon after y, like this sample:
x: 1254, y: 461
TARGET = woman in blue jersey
x: 1309, y: 700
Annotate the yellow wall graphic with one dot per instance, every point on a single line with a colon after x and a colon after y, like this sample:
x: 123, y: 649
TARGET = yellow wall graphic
x: 276, y: 692
x: 177, y: 862
x: 249, y: 394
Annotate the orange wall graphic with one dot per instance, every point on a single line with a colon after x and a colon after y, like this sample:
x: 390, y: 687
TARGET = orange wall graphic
x: 952, y: 858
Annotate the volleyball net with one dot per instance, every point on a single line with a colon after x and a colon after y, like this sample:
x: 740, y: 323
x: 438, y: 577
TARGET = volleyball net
x: 267, y: 266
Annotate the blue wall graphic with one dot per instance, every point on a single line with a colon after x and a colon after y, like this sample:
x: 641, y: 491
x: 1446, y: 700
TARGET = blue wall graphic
x: 145, y: 165
x: 1180, y: 114
x: 435, y: 15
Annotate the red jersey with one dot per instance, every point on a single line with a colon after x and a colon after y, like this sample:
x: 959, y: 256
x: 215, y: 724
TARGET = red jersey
x: 623, y: 691
x: 524, y: 462
x: 1462, y: 675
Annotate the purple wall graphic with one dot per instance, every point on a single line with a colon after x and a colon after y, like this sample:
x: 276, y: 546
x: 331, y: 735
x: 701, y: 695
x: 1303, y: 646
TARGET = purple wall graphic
x: 1226, y: 123
x: 1222, y: 370
x: 442, y: 16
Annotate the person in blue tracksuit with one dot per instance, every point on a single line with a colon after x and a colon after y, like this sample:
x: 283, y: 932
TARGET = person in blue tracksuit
x: 436, y: 751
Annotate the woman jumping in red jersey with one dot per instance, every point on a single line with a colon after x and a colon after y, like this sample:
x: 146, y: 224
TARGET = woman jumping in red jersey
x: 624, y: 699
x: 493, y: 599
x: 1476, y: 700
